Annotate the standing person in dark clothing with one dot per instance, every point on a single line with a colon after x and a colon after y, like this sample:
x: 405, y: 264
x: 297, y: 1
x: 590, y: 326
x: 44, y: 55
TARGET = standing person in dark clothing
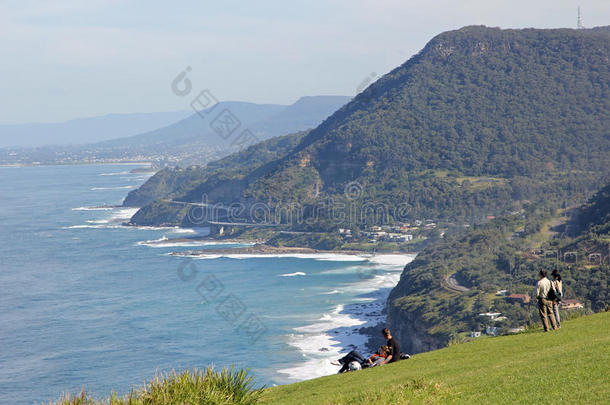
x: 558, y: 286
x: 392, y: 345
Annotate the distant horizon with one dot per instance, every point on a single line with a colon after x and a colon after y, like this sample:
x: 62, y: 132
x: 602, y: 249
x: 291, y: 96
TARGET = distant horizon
x: 115, y: 126
x: 185, y: 110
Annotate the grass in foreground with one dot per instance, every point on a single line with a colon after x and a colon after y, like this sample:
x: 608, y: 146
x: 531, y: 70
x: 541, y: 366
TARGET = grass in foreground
x: 226, y: 387
x: 571, y: 365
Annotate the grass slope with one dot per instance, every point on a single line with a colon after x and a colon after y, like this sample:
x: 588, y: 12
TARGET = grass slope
x: 570, y: 366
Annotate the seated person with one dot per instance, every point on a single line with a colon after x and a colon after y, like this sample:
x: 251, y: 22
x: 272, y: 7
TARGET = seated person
x: 376, y: 359
x: 395, y: 354
x: 379, y: 356
x: 348, y: 358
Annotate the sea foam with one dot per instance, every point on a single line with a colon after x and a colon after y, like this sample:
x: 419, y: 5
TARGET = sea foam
x: 93, y: 208
x: 319, y: 347
x: 114, y: 174
x: 333, y: 335
x: 111, y: 188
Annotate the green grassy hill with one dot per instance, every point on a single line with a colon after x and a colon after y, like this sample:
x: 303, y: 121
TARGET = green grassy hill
x: 568, y: 366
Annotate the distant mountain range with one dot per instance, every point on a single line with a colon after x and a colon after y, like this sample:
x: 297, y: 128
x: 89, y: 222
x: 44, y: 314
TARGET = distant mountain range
x: 196, y: 138
x: 479, y: 121
x: 85, y: 130
x: 263, y: 120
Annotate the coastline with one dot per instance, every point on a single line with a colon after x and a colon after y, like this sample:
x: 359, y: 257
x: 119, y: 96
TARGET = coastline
x: 117, y: 163
x: 253, y: 247
x: 352, y: 325
x: 257, y: 248
x: 353, y: 314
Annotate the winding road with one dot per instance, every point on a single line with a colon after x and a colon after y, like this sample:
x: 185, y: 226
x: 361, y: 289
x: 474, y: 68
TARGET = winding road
x: 450, y: 283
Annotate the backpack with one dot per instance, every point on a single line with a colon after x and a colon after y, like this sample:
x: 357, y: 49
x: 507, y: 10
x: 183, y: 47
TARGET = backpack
x: 552, y: 294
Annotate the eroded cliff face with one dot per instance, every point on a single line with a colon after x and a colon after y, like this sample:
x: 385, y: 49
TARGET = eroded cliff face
x: 408, y: 329
x: 408, y: 322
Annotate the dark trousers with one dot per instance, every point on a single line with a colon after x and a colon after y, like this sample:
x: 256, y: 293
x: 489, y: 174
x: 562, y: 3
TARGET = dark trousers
x: 348, y: 358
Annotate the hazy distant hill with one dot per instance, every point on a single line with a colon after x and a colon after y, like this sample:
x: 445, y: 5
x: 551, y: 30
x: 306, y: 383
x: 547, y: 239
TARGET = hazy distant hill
x: 263, y: 120
x: 196, y: 128
x: 85, y: 130
x: 196, y: 139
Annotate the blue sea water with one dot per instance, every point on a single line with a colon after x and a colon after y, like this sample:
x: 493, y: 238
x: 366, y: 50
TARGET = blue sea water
x: 88, y: 302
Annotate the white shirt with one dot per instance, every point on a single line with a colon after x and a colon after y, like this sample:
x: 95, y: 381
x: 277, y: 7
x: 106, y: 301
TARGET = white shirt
x: 542, y: 288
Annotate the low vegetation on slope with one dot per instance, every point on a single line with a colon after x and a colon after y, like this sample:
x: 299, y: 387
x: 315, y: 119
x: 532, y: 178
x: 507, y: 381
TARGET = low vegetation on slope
x: 174, y: 182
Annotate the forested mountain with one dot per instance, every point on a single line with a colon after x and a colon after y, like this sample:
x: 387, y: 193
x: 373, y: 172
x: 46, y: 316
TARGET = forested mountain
x: 479, y: 121
x: 595, y: 215
x: 477, y: 101
x: 175, y: 181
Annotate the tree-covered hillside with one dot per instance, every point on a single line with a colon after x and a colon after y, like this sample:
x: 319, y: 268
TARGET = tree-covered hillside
x: 476, y: 101
x: 481, y: 120
x: 171, y: 183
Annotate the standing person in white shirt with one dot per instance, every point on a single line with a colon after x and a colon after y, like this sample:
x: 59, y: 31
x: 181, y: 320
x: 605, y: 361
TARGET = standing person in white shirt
x: 545, y: 306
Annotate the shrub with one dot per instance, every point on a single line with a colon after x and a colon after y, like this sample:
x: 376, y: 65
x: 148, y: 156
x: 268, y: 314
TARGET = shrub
x: 209, y: 387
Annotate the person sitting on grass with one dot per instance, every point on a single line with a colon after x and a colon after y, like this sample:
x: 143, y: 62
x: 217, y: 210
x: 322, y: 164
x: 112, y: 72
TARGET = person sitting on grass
x: 394, y: 354
x: 379, y: 356
x: 376, y: 359
x: 344, y: 362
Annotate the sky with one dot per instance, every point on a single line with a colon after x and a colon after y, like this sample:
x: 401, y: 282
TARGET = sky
x: 67, y: 59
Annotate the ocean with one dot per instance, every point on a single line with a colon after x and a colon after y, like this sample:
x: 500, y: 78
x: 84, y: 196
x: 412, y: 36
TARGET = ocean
x: 89, y: 303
